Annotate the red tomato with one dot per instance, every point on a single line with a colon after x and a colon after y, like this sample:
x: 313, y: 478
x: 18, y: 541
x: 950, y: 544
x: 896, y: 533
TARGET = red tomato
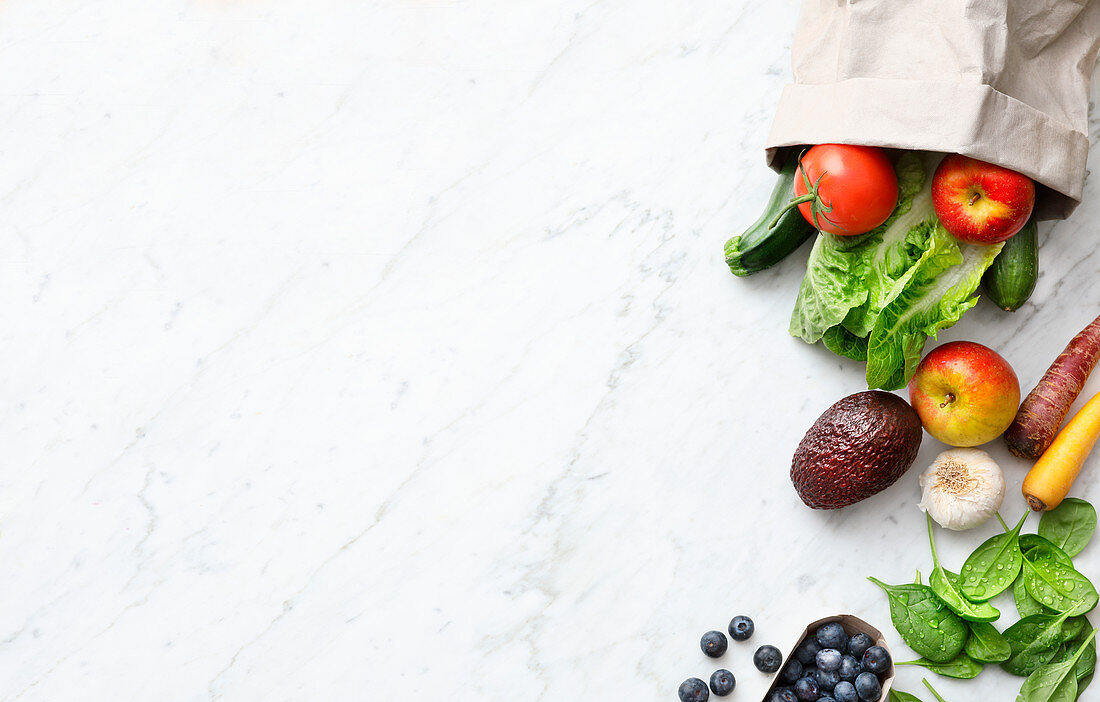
x: 855, y: 188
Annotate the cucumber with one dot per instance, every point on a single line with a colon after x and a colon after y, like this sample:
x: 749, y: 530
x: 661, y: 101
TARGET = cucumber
x: 1011, y: 279
x: 763, y: 245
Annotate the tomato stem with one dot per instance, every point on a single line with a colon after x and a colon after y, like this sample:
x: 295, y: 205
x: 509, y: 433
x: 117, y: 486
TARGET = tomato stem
x: 812, y: 196
x: 808, y: 197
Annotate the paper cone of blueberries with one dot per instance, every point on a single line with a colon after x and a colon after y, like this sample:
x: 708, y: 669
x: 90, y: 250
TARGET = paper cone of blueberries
x: 849, y: 651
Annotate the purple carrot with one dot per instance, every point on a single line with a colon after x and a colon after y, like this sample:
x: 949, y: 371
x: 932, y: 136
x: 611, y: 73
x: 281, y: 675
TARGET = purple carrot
x: 1043, y: 410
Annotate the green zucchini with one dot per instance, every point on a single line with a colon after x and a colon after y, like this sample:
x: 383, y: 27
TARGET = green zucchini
x: 1011, y: 279
x: 763, y: 245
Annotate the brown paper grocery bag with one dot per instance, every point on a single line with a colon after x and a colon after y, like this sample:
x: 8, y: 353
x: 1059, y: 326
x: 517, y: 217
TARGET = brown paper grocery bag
x: 1005, y: 81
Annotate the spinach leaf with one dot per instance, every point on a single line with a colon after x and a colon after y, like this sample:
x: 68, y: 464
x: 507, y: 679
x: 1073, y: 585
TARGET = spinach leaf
x: 1034, y: 641
x: 946, y: 586
x: 1026, y: 605
x: 1059, y: 587
x: 993, y: 566
x: 1055, y: 682
x: 1035, y: 547
x: 1050, y: 683
x: 986, y: 645
x: 925, y: 623
x: 899, y: 696
x: 1073, y: 629
x: 962, y: 667
x: 1069, y: 525
x: 1086, y: 664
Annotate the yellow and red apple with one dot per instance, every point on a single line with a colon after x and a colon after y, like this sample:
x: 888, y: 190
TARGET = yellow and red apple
x: 965, y: 394
x: 979, y: 202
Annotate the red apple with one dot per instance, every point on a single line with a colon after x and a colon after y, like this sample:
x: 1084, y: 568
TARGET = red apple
x: 965, y: 394
x: 978, y: 202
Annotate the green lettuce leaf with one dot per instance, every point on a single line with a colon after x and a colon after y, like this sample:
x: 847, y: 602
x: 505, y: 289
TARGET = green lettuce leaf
x: 941, y: 288
x: 844, y: 343
x: 832, y: 287
x: 901, y: 242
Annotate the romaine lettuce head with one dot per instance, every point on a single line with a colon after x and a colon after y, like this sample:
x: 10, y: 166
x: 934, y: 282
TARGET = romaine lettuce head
x: 879, y: 296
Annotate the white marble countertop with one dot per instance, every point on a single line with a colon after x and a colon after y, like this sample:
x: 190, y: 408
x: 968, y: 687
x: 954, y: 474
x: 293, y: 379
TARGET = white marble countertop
x: 362, y: 350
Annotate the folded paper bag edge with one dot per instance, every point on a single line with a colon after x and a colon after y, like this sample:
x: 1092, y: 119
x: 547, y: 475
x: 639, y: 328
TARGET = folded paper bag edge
x: 970, y: 119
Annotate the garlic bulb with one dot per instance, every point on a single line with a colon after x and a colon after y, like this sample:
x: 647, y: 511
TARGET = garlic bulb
x: 962, y: 488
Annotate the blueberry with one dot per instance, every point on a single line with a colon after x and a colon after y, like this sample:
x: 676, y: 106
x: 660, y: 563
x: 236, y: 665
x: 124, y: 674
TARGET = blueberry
x: 828, y: 659
x: 849, y: 668
x: 783, y: 694
x: 807, y: 651
x: 808, y: 671
x: 693, y: 690
x: 807, y: 690
x: 741, y: 628
x: 792, y: 671
x: 767, y: 659
x: 826, y: 679
x: 826, y: 698
x: 845, y: 692
x: 713, y: 643
x: 722, y: 682
x: 876, y: 660
x: 858, y: 645
x: 832, y: 635
x: 868, y: 687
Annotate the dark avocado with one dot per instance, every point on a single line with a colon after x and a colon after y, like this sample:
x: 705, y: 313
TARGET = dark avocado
x: 859, y: 447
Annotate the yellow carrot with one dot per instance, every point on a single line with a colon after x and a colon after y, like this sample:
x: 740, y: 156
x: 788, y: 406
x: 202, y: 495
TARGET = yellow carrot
x: 1050, y: 479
